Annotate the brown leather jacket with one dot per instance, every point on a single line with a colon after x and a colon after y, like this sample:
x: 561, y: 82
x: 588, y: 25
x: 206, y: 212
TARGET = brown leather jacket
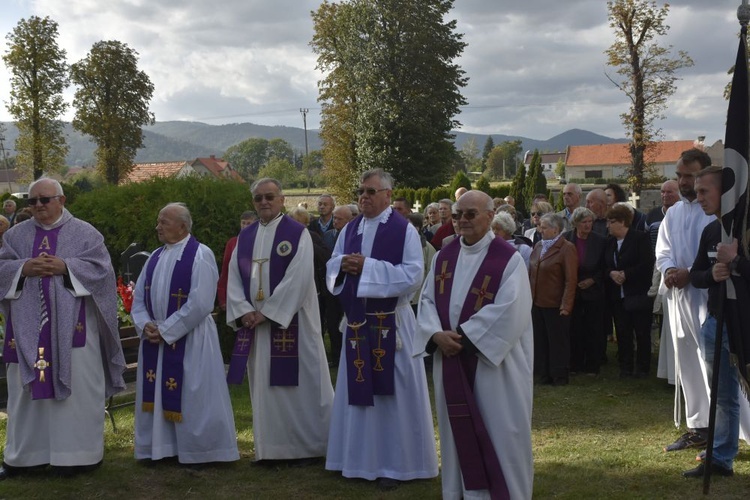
x: 555, y: 277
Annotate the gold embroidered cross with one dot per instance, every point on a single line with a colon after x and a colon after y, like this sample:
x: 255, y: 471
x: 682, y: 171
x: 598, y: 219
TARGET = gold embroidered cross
x: 42, y: 364
x: 79, y: 327
x: 179, y: 296
x: 281, y: 340
x: 171, y: 384
x: 150, y: 375
x: 259, y: 295
x: 12, y: 343
x: 482, y: 294
x: 443, y: 276
x: 242, y: 342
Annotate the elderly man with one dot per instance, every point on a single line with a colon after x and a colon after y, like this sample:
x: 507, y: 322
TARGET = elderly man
x: 571, y: 194
x: 4, y: 226
x: 446, y: 229
x: 9, y: 211
x: 475, y: 315
x: 381, y: 427
x: 182, y: 401
x: 341, y: 217
x: 596, y: 201
x: 62, y: 345
x: 670, y: 194
x: 676, y: 248
x: 272, y: 302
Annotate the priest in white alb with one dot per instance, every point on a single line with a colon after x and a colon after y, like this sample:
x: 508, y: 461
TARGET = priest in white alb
x: 182, y: 408
x: 381, y: 427
x: 272, y: 302
x: 475, y: 315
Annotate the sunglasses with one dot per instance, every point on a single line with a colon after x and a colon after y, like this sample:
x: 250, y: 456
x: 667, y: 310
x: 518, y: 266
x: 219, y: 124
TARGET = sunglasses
x: 469, y: 215
x: 42, y: 199
x: 534, y: 214
x: 369, y: 191
x: 268, y: 197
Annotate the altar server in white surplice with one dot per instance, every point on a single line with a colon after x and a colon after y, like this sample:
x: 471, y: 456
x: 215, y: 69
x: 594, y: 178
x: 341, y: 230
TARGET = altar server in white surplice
x: 272, y: 302
x: 182, y: 408
x: 381, y: 427
x: 475, y: 315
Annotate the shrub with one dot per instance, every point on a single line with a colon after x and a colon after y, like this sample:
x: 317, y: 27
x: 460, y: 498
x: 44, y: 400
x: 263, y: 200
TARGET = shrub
x: 460, y: 180
x: 440, y: 193
x: 483, y: 185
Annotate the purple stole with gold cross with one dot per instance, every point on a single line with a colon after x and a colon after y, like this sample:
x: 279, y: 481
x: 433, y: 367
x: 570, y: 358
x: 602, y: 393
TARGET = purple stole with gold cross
x: 479, y: 464
x: 370, y: 343
x: 284, y: 342
x: 42, y: 387
x: 172, y: 369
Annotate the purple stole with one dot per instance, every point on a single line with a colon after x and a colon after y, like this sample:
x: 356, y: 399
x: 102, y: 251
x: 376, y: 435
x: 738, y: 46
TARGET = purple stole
x: 370, y: 339
x: 480, y: 466
x: 284, y: 342
x: 172, y: 369
x: 45, y: 243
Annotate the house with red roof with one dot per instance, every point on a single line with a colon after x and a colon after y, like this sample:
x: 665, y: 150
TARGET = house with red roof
x: 213, y: 166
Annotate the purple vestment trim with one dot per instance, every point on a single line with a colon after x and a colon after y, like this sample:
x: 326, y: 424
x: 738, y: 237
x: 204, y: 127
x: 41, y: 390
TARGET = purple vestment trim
x: 284, y: 343
x: 479, y: 463
x: 370, y: 341
x: 172, y: 369
x: 79, y: 335
x: 10, y: 353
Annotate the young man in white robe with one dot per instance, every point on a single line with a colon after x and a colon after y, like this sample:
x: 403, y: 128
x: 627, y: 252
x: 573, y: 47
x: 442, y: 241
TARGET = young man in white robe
x: 272, y: 302
x: 381, y: 428
x: 57, y: 282
x: 475, y: 312
x: 182, y: 407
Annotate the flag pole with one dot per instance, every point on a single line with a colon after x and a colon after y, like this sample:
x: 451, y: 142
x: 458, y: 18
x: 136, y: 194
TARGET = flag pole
x: 743, y: 15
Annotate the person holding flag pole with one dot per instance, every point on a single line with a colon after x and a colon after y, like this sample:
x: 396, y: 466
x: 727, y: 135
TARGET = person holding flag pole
x: 726, y: 272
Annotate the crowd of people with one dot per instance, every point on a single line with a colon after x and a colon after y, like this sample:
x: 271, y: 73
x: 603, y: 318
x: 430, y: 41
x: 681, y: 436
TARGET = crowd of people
x: 489, y: 302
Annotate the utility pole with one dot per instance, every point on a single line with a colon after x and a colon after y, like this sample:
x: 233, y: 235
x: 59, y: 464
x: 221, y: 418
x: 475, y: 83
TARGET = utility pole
x: 5, y: 157
x: 304, y: 112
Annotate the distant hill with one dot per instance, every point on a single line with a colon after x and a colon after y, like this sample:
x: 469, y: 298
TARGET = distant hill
x: 178, y: 140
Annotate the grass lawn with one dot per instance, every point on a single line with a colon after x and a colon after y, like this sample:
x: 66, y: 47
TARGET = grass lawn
x: 596, y: 438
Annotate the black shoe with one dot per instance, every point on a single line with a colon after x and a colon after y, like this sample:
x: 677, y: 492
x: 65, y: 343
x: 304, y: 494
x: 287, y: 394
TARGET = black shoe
x: 716, y: 469
x: 71, y: 471
x: 690, y: 439
x: 303, y: 462
x: 9, y: 471
x: 5, y: 473
x: 388, y: 484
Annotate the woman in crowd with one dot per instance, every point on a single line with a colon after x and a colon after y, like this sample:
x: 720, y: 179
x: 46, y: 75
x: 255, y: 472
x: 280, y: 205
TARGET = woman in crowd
x: 587, y: 341
x: 629, y: 262
x: 432, y: 218
x: 553, y: 272
x: 504, y: 227
x: 538, y: 209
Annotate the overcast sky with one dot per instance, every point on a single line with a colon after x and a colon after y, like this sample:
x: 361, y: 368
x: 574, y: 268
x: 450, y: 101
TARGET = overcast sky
x: 536, y: 68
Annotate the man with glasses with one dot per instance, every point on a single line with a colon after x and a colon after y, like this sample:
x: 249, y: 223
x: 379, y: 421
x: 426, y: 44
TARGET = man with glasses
x: 475, y: 315
x: 273, y: 305
x: 381, y: 426
x: 62, y: 342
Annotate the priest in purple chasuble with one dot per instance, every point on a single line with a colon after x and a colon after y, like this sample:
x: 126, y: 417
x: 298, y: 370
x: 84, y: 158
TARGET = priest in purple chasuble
x: 272, y: 303
x: 475, y: 314
x: 182, y: 401
x: 381, y: 426
x: 62, y: 345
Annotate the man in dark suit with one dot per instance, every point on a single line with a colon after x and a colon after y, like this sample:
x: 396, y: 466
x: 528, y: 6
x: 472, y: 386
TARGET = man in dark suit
x: 324, y: 223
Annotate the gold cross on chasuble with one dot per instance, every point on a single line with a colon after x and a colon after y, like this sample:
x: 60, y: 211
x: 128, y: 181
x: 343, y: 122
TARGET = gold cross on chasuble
x: 443, y: 276
x: 281, y: 339
x: 150, y: 375
x: 482, y: 294
x: 79, y: 327
x: 179, y: 296
x: 171, y: 384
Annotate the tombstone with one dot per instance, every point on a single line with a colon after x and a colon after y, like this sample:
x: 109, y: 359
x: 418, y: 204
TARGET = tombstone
x: 135, y: 265
x: 125, y: 256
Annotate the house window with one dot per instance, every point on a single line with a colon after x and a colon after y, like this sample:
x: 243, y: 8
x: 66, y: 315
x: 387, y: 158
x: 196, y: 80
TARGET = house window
x: 593, y: 174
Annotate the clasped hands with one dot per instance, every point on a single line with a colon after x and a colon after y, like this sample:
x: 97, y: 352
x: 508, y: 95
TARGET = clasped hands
x: 252, y: 319
x: 153, y: 335
x: 44, y: 266
x: 449, y: 342
x: 353, y: 263
x: 617, y: 276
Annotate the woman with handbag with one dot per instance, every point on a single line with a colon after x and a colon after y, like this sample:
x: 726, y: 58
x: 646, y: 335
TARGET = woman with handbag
x: 629, y: 262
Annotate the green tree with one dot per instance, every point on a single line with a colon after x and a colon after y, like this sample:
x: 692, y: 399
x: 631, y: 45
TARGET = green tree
x: 647, y: 75
x: 112, y: 105
x: 536, y: 182
x: 483, y: 185
x: 517, y: 190
x: 560, y: 168
x: 489, y: 145
x: 460, y: 180
x: 391, y: 89
x: 470, y: 154
x: 248, y: 156
x: 39, y: 75
x: 282, y: 170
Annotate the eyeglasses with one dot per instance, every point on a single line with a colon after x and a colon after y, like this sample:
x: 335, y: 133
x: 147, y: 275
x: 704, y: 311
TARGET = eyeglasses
x: 42, y: 199
x: 534, y: 214
x: 369, y: 191
x: 469, y: 215
x: 268, y: 197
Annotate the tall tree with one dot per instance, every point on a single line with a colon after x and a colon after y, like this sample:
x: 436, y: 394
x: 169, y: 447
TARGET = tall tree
x: 536, y: 182
x: 112, y: 105
x: 518, y: 188
x: 470, y: 154
x: 489, y: 144
x: 647, y: 75
x: 39, y: 75
x: 391, y: 87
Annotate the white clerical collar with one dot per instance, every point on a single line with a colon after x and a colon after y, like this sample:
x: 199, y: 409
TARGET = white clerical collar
x: 169, y: 246
x: 272, y: 221
x: 381, y: 218
x: 479, y: 245
x: 47, y: 227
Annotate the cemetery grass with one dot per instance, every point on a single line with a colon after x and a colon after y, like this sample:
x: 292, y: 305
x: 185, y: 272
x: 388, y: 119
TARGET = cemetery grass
x: 596, y: 438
